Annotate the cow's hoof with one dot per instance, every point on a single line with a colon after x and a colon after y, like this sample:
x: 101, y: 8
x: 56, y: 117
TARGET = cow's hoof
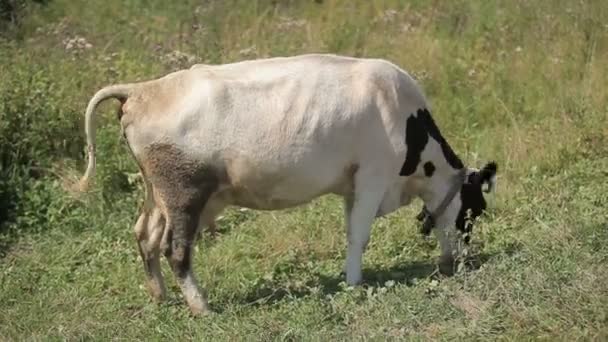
x: 200, y: 311
x: 447, y: 266
x: 198, y: 304
x: 156, y: 291
x: 354, y: 279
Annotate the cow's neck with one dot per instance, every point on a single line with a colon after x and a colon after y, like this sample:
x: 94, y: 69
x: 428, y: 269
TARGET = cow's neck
x: 441, y: 191
x: 436, y: 189
x: 444, y: 169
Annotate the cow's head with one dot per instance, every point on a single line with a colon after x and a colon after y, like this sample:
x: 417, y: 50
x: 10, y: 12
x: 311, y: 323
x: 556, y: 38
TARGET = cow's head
x: 471, y: 195
x: 452, y: 193
x: 466, y: 201
x: 463, y: 201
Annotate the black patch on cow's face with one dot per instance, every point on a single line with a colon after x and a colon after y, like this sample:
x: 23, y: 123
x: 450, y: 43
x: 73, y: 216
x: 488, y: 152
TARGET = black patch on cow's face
x: 471, y: 196
x: 429, y: 169
x: 473, y: 205
x: 417, y: 131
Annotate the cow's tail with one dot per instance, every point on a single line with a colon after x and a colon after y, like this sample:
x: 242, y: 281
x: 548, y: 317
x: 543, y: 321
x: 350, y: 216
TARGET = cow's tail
x: 120, y: 92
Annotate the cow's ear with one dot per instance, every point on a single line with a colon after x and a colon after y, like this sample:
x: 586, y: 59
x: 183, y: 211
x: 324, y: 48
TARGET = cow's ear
x: 484, y: 178
x: 487, y: 176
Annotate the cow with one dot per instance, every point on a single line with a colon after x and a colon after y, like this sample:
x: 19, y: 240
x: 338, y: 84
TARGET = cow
x: 276, y: 133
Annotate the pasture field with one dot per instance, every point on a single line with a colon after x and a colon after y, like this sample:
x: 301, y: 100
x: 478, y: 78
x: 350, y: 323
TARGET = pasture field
x: 524, y: 83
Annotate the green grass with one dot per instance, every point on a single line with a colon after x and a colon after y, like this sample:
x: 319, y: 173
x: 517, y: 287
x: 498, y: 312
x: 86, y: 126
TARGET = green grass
x: 520, y: 82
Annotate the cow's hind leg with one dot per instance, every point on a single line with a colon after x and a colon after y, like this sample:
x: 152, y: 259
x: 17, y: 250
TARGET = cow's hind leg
x: 360, y: 212
x: 182, y: 187
x: 182, y: 227
x: 181, y: 232
x: 148, y: 231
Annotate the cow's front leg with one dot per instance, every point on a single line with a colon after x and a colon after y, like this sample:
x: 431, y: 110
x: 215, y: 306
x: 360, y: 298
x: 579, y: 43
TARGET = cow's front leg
x: 448, y: 242
x: 360, y: 212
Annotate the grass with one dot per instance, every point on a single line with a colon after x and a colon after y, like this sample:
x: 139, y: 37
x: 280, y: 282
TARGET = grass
x: 520, y: 82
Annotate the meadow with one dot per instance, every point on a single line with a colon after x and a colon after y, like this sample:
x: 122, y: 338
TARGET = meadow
x: 520, y: 82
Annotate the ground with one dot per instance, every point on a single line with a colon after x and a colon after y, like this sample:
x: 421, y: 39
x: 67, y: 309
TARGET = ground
x: 519, y: 82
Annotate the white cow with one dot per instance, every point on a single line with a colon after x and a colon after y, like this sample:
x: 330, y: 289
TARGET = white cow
x: 276, y: 133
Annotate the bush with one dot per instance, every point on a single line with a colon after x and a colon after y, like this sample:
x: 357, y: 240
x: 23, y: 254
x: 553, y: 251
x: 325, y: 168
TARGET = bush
x: 12, y: 11
x: 35, y: 132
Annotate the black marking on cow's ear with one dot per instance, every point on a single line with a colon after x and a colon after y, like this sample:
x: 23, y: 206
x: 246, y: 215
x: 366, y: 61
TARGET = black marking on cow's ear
x: 429, y: 169
x: 425, y: 117
x: 416, y: 138
x: 487, y: 175
x: 488, y: 171
x: 483, y: 176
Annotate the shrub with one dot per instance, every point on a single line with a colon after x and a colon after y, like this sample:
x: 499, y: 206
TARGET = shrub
x: 35, y: 131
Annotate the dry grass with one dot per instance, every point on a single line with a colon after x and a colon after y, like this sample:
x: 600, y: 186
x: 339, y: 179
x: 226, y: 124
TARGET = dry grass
x: 520, y: 82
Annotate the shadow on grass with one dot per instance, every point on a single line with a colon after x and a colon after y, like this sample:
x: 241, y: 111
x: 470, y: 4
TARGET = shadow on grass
x: 272, y: 292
